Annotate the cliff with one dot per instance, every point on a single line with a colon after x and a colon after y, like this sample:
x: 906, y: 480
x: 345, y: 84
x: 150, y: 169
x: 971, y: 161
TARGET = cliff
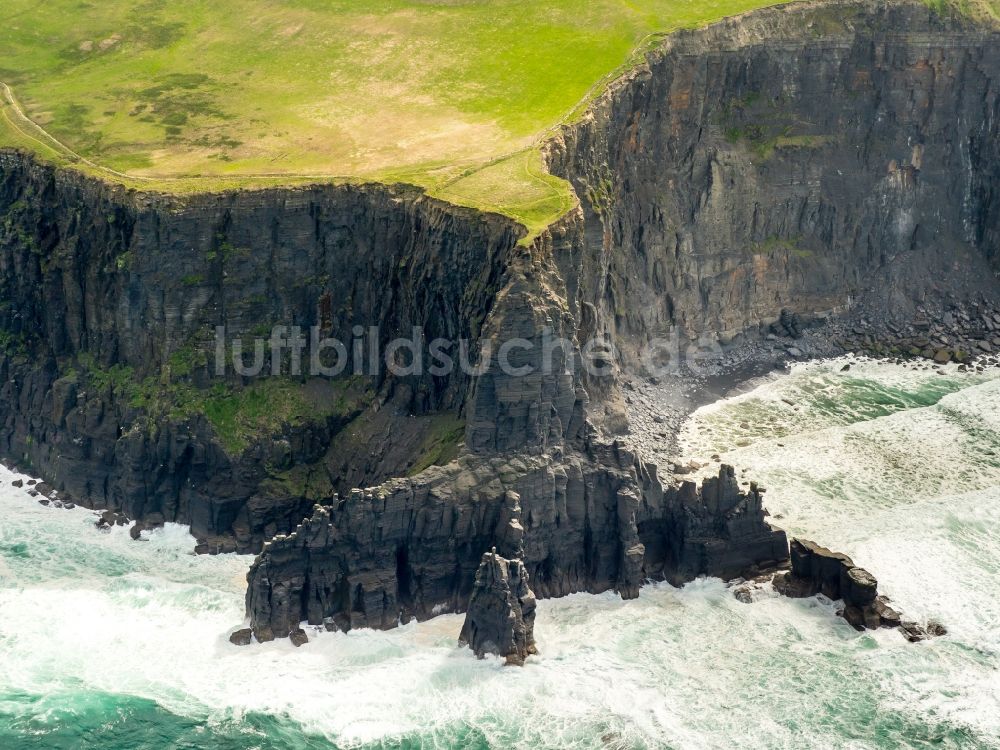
x: 809, y: 157
x: 828, y: 159
x: 110, y: 300
x: 812, y: 158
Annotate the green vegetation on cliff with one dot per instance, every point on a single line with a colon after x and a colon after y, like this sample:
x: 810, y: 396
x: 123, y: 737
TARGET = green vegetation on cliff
x: 453, y: 96
x: 239, y: 415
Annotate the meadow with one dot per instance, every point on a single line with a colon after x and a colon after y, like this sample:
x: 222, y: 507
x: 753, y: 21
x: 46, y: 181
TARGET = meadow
x: 451, y: 95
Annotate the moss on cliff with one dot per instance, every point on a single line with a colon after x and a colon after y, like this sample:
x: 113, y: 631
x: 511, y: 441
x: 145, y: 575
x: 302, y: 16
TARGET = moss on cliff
x: 441, y: 443
x: 239, y: 414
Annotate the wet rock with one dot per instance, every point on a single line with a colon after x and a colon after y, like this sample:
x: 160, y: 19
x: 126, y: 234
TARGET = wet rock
x: 859, y: 587
x: 818, y: 570
x: 915, y: 632
x: 744, y: 592
x: 298, y: 637
x: 17, y: 483
x: 110, y: 518
x: 501, y: 615
x: 241, y: 637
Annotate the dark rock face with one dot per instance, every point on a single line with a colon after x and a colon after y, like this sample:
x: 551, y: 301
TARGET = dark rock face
x: 817, y: 570
x: 594, y: 520
x: 808, y: 157
x: 501, y: 615
x: 103, y: 288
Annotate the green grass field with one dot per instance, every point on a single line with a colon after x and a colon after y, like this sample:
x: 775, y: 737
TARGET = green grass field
x: 454, y: 96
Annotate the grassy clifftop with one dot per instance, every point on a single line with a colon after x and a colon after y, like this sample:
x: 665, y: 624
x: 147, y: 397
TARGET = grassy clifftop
x: 238, y: 91
x: 453, y: 95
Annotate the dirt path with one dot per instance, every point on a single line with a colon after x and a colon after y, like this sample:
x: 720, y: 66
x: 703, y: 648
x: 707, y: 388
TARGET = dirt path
x: 27, y: 127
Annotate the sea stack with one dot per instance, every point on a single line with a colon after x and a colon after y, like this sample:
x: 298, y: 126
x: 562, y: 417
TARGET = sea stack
x: 501, y: 615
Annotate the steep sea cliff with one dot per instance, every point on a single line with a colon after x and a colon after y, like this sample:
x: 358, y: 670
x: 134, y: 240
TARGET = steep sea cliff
x: 837, y: 160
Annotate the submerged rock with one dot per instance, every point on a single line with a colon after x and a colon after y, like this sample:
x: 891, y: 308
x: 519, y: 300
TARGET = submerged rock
x: 501, y: 615
x: 111, y: 518
x: 915, y: 632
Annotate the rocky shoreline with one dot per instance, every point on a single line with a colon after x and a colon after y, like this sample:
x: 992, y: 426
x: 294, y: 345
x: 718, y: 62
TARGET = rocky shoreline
x: 789, y: 184
x: 814, y: 570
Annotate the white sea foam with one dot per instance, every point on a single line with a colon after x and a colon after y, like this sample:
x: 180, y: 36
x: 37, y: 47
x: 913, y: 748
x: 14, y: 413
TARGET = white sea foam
x: 912, y: 495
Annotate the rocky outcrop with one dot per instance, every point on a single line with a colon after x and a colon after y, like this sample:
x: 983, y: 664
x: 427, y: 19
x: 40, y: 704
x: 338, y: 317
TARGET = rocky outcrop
x: 596, y: 520
x: 501, y: 616
x: 241, y: 637
x: 817, y: 570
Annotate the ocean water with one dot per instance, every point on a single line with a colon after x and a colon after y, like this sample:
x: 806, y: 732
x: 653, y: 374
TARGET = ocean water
x: 110, y: 643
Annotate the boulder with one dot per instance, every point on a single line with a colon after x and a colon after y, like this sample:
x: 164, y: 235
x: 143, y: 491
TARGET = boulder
x: 241, y: 637
x: 861, y: 588
x: 915, y: 632
x: 111, y: 518
x: 501, y: 615
x: 298, y: 638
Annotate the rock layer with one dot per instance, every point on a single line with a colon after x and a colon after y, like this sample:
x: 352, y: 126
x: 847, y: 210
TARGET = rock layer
x: 501, y: 615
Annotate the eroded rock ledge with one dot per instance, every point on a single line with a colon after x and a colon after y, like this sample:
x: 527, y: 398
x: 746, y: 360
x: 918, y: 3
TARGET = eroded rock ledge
x: 594, y: 520
x: 818, y: 570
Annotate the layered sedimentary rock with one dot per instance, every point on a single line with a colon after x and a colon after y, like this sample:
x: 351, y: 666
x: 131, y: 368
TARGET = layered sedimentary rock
x: 501, y: 615
x: 796, y: 157
x: 111, y: 300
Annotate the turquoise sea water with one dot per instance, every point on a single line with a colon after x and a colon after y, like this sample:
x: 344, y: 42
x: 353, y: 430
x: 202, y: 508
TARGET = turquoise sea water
x: 110, y: 643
